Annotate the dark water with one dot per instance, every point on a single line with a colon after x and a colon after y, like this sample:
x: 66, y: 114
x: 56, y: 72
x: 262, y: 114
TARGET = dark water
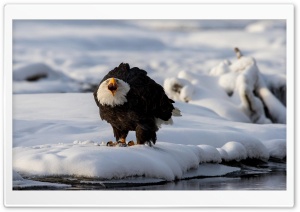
x: 265, y: 176
x: 273, y: 181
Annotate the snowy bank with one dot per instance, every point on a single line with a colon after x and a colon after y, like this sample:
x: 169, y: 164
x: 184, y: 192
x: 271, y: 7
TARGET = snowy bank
x: 47, y: 143
x: 165, y: 161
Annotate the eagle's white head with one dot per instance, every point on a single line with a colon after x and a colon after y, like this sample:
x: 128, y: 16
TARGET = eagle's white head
x: 112, y: 92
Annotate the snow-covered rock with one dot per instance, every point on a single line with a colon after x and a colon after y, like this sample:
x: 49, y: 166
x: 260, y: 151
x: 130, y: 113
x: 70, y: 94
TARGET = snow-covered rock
x: 179, y: 89
x: 41, y: 78
x: 35, y: 72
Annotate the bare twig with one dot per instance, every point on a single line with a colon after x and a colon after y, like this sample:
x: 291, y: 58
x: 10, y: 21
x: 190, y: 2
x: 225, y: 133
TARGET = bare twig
x: 238, y: 52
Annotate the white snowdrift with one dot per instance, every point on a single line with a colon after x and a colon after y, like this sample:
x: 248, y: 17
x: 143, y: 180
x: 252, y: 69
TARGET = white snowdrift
x: 203, y: 90
x: 36, y: 69
x: 276, y: 148
x: 86, y: 50
x: 48, y: 143
x: 265, y: 25
x: 249, y: 81
x: 245, y: 86
x: 165, y: 161
x: 41, y: 78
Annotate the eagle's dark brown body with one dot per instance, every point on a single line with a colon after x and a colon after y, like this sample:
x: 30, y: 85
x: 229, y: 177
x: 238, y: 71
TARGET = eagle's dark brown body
x: 146, y: 102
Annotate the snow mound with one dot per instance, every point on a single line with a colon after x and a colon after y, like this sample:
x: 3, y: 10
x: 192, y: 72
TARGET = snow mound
x: 277, y: 85
x: 203, y: 90
x: 209, y: 154
x: 276, y: 148
x: 221, y: 68
x: 262, y: 98
x: 179, y: 89
x: 263, y: 26
x: 41, y: 78
x: 35, y: 72
x: 233, y: 151
x: 251, y: 96
x: 164, y: 161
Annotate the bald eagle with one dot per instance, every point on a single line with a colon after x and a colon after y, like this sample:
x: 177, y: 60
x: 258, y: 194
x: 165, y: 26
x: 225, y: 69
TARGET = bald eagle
x: 129, y: 100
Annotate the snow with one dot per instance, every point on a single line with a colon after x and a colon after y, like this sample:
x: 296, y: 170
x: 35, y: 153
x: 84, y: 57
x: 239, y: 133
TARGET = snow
x: 276, y: 148
x: 20, y: 183
x: 233, y: 151
x: 58, y: 131
x: 243, y: 80
x: 48, y: 143
x: 165, y: 161
x: 262, y: 26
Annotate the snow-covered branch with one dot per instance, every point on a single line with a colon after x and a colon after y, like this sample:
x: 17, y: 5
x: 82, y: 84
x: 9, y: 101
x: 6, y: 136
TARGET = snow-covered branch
x: 257, y: 101
x: 261, y: 97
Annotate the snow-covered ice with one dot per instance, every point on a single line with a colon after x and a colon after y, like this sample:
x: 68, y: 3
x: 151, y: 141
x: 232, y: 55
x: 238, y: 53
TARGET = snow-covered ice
x: 58, y: 131
x: 21, y: 183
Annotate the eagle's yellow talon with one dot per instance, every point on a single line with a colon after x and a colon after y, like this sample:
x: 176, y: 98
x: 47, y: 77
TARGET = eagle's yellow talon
x: 111, y: 143
x: 130, y: 143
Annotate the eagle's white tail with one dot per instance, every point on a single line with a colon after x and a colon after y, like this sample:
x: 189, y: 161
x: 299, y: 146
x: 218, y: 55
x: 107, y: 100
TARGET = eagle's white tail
x: 159, y: 122
x: 176, y: 112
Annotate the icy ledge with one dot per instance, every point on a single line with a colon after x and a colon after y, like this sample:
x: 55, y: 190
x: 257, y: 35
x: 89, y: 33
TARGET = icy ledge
x: 164, y: 161
x: 20, y: 183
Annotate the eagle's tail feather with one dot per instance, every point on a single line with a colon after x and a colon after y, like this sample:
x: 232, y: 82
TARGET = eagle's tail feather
x: 176, y: 112
x: 159, y: 122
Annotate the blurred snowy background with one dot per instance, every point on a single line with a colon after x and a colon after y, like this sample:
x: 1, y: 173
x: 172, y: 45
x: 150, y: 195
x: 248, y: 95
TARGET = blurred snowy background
x: 72, y: 56
x: 233, y: 107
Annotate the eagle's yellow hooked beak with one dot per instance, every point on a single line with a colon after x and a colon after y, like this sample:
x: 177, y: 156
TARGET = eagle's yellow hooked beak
x: 112, y: 86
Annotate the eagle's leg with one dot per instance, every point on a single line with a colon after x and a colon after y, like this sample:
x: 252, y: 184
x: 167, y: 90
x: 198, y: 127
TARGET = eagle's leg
x: 120, y: 135
x: 144, y: 134
x: 110, y: 143
x: 121, y: 140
